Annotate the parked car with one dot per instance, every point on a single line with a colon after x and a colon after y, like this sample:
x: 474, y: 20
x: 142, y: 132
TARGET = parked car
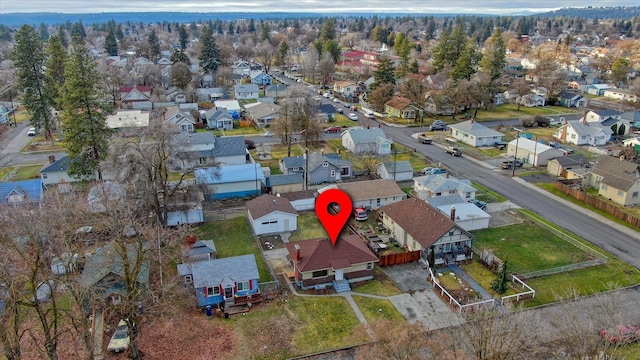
x: 423, y: 138
x: 453, y: 151
x: 32, y: 132
x: 432, y: 171
x: 438, y: 125
x: 327, y: 95
x: 481, y: 204
x: 268, y: 134
x: 508, y: 164
x: 353, y: 116
x: 333, y: 129
x: 360, y: 214
x: 500, y: 145
x: 340, y: 111
x: 120, y: 339
x: 621, y: 334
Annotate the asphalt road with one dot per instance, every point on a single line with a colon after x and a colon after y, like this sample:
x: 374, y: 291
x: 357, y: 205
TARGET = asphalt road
x: 609, y: 236
x: 15, y: 140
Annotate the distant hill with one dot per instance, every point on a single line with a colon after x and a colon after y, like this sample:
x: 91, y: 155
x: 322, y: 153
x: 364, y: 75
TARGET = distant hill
x: 590, y: 12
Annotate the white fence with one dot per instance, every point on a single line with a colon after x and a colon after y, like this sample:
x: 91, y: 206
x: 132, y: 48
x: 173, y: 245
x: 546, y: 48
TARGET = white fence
x: 452, y: 300
x: 515, y: 280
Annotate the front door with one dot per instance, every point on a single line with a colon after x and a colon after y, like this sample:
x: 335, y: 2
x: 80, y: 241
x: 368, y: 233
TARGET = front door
x: 286, y: 224
x: 339, y: 274
x: 228, y: 293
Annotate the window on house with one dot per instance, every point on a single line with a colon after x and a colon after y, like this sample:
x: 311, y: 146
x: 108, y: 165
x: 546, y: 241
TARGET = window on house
x: 188, y: 279
x: 203, y: 160
x: 344, y: 171
x: 243, y: 286
x: 320, y: 273
x: 451, y: 233
x: 604, y: 187
x: 369, y: 266
x: 115, y: 299
x: 325, y: 164
x: 44, y: 175
x: 333, y: 173
x: 620, y: 193
x: 213, y: 291
x: 634, y: 194
x: 438, y: 194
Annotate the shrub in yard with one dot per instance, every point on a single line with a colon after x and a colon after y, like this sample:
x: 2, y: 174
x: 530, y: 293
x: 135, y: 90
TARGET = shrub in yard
x: 501, y: 283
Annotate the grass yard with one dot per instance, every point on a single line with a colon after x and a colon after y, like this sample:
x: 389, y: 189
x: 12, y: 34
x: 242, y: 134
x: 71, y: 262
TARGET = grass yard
x: 509, y: 111
x: 21, y: 172
x: 309, y: 227
x: 232, y: 238
x: 377, y: 309
x: 483, y: 277
x: 380, y: 285
x: 529, y: 247
x: 487, y: 195
x: 448, y: 281
x: 614, y: 274
x: 325, y: 323
x: 247, y: 130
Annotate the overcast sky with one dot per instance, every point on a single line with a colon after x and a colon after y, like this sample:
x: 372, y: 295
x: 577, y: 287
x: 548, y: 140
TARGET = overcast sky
x: 323, y: 6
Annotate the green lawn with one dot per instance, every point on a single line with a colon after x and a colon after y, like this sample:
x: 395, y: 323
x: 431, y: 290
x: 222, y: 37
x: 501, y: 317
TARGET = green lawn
x: 326, y: 323
x: 529, y: 248
x: 23, y: 172
x: 509, y: 111
x: 487, y: 195
x: 483, y: 277
x: 377, y: 309
x: 309, y: 227
x: 380, y: 285
x: 232, y: 238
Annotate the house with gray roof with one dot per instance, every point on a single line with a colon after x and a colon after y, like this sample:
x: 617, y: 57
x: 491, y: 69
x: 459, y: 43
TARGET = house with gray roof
x: 465, y: 214
x: 395, y: 170
x: 284, y: 183
x: 270, y: 214
x: 617, y: 180
x: 366, y: 140
x: 475, y: 134
x: 632, y: 117
x: 204, y: 149
x: 219, y: 118
x: 532, y: 152
x: 201, y: 250
x: 211, y: 94
x: 327, y: 168
x: 176, y: 95
x: 104, y: 270
x: 179, y: 120
x: 600, y: 115
x: 55, y: 172
x: 570, y: 99
x: 370, y: 194
x: 262, y: 113
x: 246, y: 91
x: 583, y: 133
x: 574, y: 166
x: 443, y: 185
x: 222, y: 281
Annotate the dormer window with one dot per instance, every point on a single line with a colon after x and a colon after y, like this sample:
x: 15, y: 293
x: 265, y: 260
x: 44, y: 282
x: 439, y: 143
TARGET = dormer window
x: 325, y: 164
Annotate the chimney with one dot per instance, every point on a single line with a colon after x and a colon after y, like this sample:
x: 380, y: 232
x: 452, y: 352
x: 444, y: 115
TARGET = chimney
x: 452, y: 215
x: 472, y: 121
x: 297, y: 247
x: 446, y: 175
x: 52, y: 159
x: 584, y: 118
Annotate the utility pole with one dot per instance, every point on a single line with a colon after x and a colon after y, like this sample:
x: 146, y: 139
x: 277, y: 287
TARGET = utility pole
x: 306, y: 168
x: 515, y: 153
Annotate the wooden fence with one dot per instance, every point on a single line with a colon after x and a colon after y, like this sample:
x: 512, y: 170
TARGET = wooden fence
x: 399, y: 258
x: 568, y: 187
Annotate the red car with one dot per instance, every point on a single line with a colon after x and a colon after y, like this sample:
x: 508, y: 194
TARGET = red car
x: 333, y: 129
x: 621, y: 334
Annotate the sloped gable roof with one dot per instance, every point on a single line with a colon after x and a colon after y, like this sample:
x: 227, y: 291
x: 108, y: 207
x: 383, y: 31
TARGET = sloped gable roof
x: 398, y: 102
x: 61, y: 164
x: 422, y: 221
x: 229, y: 174
x: 440, y: 183
x: 110, y: 260
x: 319, y: 254
x: 31, y: 190
x: 213, y: 272
x: 267, y: 204
x: 620, y: 174
x: 397, y: 166
x: 476, y: 129
x: 371, y: 189
x: 589, y: 129
x: 361, y: 135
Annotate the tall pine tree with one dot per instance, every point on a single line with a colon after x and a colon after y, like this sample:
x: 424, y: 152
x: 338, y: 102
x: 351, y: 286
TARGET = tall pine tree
x: 29, y: 60
x: 54, y: 73
x: 83, y: 113
x: 209, y: 51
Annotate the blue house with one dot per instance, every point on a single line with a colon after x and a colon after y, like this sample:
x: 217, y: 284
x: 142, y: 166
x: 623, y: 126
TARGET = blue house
x: 229, y: 280
x: 21, y: 192
x: 231, y: 181
x: 260, y: 78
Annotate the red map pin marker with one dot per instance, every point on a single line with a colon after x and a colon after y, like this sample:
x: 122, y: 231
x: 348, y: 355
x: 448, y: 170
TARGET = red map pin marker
x: 333, y: 222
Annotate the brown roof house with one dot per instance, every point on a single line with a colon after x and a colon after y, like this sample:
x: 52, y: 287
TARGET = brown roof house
x: 401, y: 107
x: 318, y: 264
x: 371, y: 194
x: 617, y: 180
x: 269, y: 214
x: 417, y: 225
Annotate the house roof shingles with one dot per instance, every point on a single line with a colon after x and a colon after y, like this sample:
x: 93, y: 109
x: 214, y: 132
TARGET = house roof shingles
x: 398, y: 102
x: 476, y: 129
x: 213, y: 272
x: 267, y: 204
x: 371, y: 189
x: 617, y: 173
x: 319, y: 254
x: 422, y: 221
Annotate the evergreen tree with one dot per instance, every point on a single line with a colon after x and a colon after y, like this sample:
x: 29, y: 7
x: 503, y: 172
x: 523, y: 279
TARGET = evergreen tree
x: 266, y: 30
x: 78, y: 29
x: 179, y: 56
x: 501, y: 283
x: 44, y: 32
x: 110, y: 43
x: 119, y: 33
x: 431, y: 29
x: 495, y: 55
x: 281, y: 59
x: 29, y: 60
x: 328, y: 31
x: 84, y: 111
x: 230, y: 29
x: 54, y: 73
x: 467, y: 63
x: 332, y: 48
x: 154, y: 46
x: 402, y: 46
x: 63, y: 36
x: 183, y: 37
x: 209, y: 52
x: 384, y: 74
x: 252, y: 26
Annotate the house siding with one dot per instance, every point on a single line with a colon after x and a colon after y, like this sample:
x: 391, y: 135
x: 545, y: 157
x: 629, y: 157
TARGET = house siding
x: 191, y: 216
x: 624, y: 198
x: 231, y: 190
x: 204, y: 300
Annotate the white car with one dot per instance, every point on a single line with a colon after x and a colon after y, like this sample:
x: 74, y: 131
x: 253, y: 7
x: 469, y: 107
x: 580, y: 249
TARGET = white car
x: 353, y: 116
x: 120, y: 339
x: 268, y: 134
x: 32, y: 132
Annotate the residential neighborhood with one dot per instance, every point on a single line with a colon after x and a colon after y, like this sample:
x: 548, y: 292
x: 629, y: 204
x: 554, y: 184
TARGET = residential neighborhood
x: 163, y: 186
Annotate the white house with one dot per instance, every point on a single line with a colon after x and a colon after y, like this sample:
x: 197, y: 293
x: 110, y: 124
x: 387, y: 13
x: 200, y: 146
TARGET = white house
x: 395, y: 170
x: 532, y: 152
x: 599, y: 116
x: 56, y: 172
x: 204, y: 149
x: 371, y: 194
x: 438, y: 185
x: 246, y: 91
x: 465, y: 214
x: 179, y: 120
x: 187, y: 213
x: 363, y: 140
x: 128, y: 119
x: 584, y: 133
x: 475, y: 134
x: 219, y: 118
x: 270, y: 214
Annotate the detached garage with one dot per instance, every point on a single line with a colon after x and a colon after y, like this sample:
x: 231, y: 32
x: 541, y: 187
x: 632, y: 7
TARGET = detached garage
x: 269, y: 214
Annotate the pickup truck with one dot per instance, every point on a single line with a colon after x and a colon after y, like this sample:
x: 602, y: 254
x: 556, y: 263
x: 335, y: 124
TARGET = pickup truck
x: 453, y: 151
x: 424, y: 139
x: 508, y: 164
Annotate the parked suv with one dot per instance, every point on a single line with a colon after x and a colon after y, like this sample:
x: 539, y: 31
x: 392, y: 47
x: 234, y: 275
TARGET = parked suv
x: 508, y: 164
x: 453, y: 151
x: 438, y: 125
